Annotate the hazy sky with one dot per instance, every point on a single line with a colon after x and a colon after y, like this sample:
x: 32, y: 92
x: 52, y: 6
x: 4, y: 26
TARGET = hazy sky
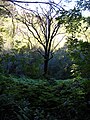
x: 33, y: 6
x: 69, y: 5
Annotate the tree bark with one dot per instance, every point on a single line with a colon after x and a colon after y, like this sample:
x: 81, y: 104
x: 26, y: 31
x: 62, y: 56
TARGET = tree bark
x: 46, y: 60
x: 45, y: 67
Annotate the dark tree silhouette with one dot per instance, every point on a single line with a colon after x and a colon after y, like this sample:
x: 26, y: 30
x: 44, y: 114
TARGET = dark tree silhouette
x: 44, y: 27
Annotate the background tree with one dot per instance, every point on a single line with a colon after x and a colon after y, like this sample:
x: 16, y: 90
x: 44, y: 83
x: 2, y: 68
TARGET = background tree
x: 78, y: 39
x: 84, y: 4
x: 60, y: 64
x: 80, y: 57
x: 7, y: 28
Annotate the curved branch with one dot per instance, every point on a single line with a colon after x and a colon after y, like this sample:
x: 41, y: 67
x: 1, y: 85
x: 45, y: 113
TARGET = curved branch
x: 56, y: 5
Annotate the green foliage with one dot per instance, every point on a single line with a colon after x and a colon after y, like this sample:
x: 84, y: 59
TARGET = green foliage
x: 80, y: 56
x: 27, y: 99
x: 21, y: 62
x: 85, y: 4
x: 71, y: 20
x: 26, y: 62
x: 3, y: 11
x: 59, y: 65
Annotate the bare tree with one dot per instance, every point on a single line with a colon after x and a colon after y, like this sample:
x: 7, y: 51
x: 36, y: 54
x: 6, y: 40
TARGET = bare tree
x: 44, y: 27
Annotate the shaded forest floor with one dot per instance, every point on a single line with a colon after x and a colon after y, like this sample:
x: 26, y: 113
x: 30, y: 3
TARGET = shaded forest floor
x: 29, y: 99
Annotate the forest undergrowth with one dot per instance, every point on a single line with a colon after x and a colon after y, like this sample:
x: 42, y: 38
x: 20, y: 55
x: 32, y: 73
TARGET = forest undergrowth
x: 36, y: 99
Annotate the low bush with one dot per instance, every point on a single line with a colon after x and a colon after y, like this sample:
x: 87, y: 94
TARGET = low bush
x: 29, y: 99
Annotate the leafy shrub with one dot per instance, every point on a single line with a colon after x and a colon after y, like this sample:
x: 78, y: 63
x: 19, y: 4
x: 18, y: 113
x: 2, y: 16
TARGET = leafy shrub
x: 80, y: 57
x: 59, y: 65
x: 28, y: 99
x: 21, y: 63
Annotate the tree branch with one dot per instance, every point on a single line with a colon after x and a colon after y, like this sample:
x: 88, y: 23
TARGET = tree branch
x: 19, y: 1
x: 36, y: 37
x: 58, y: 43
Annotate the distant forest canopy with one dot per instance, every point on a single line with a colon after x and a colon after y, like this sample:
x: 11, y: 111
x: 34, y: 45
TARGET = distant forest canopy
x: 53, y: 42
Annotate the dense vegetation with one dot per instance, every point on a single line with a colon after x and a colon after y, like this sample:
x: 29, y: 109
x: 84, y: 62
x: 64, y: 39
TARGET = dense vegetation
x: 40, y: 80
x: 28, y: 99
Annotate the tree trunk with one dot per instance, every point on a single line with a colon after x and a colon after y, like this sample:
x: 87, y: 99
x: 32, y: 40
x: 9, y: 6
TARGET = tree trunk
x: 45, y: 67
x: 46, y: 60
